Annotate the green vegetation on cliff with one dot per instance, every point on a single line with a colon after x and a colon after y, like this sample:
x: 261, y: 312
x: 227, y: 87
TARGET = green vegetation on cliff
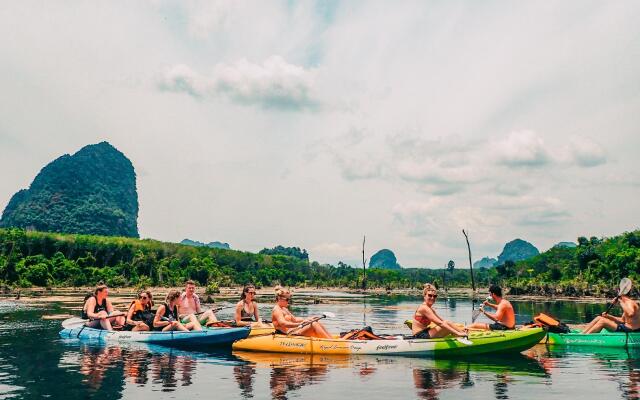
x: 90, y: 192
x: 384, y: 259
x: 594, y: 267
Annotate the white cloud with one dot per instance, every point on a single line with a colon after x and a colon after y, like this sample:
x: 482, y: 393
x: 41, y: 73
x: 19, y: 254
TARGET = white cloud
x: 272, y: 84
x: 522, y: 149
x: 586, y: 152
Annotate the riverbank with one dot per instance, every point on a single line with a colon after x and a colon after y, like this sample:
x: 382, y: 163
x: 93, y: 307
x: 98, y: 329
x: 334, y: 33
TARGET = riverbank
x: 305, y: 294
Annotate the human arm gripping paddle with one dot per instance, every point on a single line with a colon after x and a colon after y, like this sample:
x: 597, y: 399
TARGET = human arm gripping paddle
x: 325, y: 314
x: 624, y: 289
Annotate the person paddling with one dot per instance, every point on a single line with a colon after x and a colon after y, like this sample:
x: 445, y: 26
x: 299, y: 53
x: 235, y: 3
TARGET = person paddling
x: 285, y: 322
x: 628, y: 322
x: 247, y: 308
x: 504, y: 318
x: 189, y: 304
x: 98, y: 307
x: 427, y: 324
x: 166, y: 318
x: 139, y: 316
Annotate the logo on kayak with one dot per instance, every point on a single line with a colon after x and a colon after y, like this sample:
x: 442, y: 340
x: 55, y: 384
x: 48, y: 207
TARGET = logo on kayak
x: 386, y: 346
x: 292, y: 344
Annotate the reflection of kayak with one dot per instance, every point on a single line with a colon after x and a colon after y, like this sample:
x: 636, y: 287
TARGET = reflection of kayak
x: 602, y: 339
x: 517, y: 364
x: 481, y: 343
x: 209, y: 336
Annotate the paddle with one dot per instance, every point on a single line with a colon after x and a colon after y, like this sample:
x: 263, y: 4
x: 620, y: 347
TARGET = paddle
x: 476, y: 313
x: 76, y: 322
x: 325, y: 314
x: 625, y: 288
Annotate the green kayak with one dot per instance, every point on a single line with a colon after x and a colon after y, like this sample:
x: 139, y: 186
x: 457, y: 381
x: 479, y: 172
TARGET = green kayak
x: 603, y: 339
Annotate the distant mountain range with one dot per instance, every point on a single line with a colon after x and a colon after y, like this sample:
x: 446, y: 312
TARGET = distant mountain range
x: 213, y: 245
x: 485, y: 262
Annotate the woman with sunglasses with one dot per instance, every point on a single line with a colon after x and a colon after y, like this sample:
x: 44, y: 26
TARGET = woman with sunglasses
x: 286, y: 323
x: 247, y: 308
x: 140, y: 316
x: 427, y: 324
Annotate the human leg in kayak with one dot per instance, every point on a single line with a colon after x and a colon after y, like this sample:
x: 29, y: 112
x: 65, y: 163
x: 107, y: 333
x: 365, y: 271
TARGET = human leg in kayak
x: 285, y: 322
x: 628, y: 322
x: 427, y: 324
x: 504, y: 317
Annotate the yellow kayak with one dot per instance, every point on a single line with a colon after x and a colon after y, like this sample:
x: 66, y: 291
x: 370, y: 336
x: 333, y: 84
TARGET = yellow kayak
x: 491, y: 342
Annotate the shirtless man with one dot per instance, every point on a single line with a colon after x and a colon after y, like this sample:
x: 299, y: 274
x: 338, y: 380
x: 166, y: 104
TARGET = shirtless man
x: 629, y: 322
x: 189, y: 304
x: 504, y: 318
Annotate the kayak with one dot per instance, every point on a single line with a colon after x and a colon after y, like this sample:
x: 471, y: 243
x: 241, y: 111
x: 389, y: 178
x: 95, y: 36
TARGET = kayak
x: 209, y: 336
x: 602, y: 339
x: 261, y: 331
x: 485, y: 342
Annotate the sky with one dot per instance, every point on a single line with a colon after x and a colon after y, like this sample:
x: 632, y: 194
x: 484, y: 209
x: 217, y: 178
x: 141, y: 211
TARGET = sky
x: 314, y: 123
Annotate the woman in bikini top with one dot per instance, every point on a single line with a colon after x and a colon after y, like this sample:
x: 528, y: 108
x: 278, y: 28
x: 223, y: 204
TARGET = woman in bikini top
x: 247, y: 308
x: 427, y: 324
x: 286, y: 323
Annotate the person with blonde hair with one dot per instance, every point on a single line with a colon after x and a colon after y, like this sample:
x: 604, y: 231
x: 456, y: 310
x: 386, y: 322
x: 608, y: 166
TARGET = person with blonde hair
x: 427, y: 324
x: 286, y: 323
x: 167, y: 319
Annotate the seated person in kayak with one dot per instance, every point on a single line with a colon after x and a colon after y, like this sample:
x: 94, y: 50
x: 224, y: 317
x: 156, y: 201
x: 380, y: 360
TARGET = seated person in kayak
x: 427, y: 324
x: 166, y: 318
x: 629, y: 322
x: 286, y: 323
x: 189, y: 304
x: 504, y: 318
x: 247, y: 308
x: 140, y: 317
x: 100, y: 311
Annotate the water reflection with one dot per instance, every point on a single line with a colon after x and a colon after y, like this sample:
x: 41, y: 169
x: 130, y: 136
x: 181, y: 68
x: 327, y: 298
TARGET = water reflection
x: 109, y: 367
x: 618, y: 365
x: 438, y: 375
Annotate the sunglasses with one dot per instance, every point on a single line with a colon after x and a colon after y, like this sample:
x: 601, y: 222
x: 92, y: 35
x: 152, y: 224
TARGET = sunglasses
x: 251, y: 292
x: 432, y: 296
x: 143, y: 297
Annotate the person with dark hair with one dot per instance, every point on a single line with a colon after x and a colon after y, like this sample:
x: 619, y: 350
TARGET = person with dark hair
x: 140, y: 317
x: 247, y: 308
x: 504, y: 317
x: 167, y: 319
x: 99, y: 310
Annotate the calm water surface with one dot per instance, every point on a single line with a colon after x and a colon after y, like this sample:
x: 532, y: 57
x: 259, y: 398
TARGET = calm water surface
x: 35, y: 363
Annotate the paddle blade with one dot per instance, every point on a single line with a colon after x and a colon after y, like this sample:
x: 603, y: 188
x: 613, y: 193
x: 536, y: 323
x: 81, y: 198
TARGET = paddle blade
x: 465, y: 341
x: 475, y: 314
x: 72, y: 323
x: 625, y: 286
x: 328, y: 314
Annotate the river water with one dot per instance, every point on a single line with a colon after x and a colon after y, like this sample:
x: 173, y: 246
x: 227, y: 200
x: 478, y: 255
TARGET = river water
x: 35, y: 363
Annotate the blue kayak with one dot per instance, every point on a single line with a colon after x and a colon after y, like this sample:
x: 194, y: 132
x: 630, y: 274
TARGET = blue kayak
x: 208, y: 336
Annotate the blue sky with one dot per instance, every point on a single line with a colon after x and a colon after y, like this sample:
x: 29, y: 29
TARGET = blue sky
x: 312, y: 123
